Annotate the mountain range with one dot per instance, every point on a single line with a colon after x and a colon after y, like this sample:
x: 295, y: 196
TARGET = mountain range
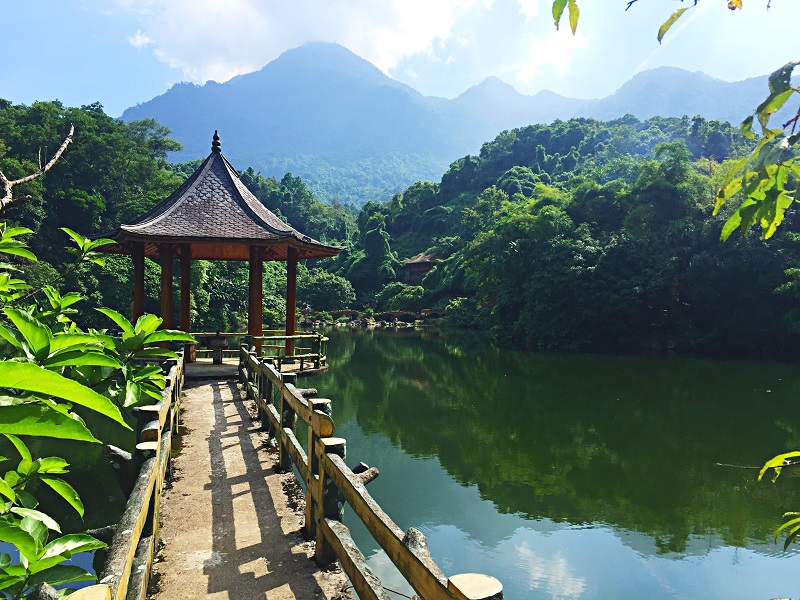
x: 355, y: 134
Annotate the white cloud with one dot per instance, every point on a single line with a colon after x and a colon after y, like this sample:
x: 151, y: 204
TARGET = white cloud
x: 529, y: 8
x: 555, y: 50
x: 552, y: 574
x: 140, y: 40
x: 205, y: 39
x: 214, y: 39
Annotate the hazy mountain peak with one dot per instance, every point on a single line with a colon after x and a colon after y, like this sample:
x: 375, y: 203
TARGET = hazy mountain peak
x: 326, y: 56
x: 491, y: 86
x: 336, y: 120
x: 323, y: 60
x: 674, y: 92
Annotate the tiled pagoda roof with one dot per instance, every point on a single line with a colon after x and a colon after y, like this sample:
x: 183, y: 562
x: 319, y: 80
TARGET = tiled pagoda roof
x: 215, y: 213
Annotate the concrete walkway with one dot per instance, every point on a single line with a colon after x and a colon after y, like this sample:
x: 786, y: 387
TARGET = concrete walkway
x: 229, y: 529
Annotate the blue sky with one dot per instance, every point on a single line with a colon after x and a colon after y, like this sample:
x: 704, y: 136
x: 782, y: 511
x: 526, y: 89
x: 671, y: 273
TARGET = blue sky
x: 121, y: 52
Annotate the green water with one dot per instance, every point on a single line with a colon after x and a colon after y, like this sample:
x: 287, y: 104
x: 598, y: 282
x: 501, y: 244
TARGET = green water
x: 572, y: 476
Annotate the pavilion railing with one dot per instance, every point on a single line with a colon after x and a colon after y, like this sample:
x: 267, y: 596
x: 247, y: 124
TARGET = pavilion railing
x: 330, y: 485
x: 303, y: 347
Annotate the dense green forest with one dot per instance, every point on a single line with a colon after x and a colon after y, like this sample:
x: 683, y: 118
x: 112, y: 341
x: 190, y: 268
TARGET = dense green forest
x: 578, y: 235
x: 583, y: 235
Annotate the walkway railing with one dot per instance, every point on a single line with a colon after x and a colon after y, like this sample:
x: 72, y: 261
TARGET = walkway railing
x: 130, y: 554
x: 330, y: 484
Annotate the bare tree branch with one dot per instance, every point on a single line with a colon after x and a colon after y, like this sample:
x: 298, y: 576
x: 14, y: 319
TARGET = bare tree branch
x: 9, y: 185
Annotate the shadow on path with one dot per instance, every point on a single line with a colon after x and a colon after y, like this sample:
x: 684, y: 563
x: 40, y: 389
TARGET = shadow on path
x: 227, y: 529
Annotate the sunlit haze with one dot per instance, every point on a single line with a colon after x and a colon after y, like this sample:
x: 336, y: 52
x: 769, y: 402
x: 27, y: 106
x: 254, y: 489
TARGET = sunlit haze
x: 121, y: 52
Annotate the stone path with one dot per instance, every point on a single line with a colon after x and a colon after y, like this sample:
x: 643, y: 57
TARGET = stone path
x: 229, y: 530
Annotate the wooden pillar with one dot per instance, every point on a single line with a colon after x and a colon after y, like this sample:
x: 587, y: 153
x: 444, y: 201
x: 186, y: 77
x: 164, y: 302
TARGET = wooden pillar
x: 186, y: 286
x: 255, y: 309
x: 165, y: 250
x: 291, y: 297
x: 138, y: 281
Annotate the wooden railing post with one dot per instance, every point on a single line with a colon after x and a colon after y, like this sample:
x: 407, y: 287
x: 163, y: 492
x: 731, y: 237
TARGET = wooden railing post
x: 331, y: 502
x: 316, y: 348
x: 288, y: 421
x: 273, y: 398
x: 242, y: 365
x: 318, y: 405
x: 474, y: 586
x: 265, y: 393
x: 261, y: 384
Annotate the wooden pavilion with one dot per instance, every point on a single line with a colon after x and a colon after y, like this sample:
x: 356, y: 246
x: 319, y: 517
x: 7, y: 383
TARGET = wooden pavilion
x: 213, y: 216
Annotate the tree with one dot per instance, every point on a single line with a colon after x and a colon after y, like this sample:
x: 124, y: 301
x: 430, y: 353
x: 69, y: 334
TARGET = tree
x: 324, y: 291
x: 765, y: 184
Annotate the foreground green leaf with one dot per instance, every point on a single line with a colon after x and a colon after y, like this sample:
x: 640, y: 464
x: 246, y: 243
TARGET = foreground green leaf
x: 791, y: 526
x: 558, y: 11
x: 662, y: 31
x: 71, y: 544
x: 37, y: 515
x: 20, y: 447
x: 20, y: 538
x: 66, y: 491
x: 60, y: 575
x: 118, y: 318
x: 40, y: 420
x: 777, y: 463
x: 32, y: 378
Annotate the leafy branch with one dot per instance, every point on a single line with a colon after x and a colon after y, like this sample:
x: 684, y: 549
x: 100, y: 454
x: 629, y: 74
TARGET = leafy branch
x: 559, y: 5
x: 27, y: 528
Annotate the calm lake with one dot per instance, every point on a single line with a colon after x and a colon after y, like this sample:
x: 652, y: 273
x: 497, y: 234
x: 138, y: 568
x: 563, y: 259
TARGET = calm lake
x: 572, y: 476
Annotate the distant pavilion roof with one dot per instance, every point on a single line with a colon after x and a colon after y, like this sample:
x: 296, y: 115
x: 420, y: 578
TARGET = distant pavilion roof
x: 219, y: 218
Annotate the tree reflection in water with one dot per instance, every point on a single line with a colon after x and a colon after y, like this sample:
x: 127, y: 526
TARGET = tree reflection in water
x: 563, y: 442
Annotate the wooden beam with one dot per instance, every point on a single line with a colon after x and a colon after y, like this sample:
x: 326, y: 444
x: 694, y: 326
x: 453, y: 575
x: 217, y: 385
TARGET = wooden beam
x: 118, y: 565
x: 166, y: 285
x: 407, y: 554
x: 365, y: 583
x: 291, y: 297
x: 186, y: 286
x: 255, y: 309
x: 138, y: 281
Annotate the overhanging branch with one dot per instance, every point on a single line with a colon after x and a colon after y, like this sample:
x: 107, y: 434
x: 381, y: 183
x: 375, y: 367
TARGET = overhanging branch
x: 8, y: 185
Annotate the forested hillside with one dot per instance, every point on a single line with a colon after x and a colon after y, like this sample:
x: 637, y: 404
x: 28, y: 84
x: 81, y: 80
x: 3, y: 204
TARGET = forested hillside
x: 578, y: 235
x: 584, y: 235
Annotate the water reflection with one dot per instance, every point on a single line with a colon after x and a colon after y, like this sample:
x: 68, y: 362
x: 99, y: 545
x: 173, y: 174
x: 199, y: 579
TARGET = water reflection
x: 573, y: 476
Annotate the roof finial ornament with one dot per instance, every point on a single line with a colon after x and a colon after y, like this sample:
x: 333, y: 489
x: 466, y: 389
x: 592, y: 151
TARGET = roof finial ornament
x: 215, y: 145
